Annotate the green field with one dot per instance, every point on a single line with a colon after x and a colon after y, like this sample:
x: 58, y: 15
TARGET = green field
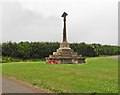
x: 99, y: 75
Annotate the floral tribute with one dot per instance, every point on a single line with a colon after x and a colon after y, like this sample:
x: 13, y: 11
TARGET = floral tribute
x: 52, y: 62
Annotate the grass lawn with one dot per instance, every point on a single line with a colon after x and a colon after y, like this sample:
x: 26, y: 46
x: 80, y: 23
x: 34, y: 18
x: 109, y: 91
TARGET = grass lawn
x: 99, y: 75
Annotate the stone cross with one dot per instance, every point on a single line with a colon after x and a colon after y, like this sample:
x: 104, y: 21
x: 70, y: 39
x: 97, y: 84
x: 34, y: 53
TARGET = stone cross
x: 64, y: 29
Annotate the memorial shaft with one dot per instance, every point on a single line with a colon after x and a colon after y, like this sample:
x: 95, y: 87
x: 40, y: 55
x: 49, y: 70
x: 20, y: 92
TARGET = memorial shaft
x: 64, y: 27
x: 64, y: 31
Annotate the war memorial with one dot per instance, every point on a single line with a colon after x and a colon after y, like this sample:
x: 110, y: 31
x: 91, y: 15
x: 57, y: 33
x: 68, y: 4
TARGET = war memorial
x: 65, y: 54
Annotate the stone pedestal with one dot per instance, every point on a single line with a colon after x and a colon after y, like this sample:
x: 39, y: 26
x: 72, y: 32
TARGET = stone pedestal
x: 66, y: 55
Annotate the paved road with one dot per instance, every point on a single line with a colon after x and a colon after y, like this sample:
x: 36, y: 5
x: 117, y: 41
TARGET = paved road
x: 10, y: 85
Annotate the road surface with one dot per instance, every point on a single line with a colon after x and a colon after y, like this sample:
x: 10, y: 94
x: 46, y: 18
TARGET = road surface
x: 10, y: 85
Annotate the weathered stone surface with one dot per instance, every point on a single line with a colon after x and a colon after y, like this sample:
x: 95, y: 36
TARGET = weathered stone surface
x: 65, y: 54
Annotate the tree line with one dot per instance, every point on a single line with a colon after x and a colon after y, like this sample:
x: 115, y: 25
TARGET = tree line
x: 38, y: 50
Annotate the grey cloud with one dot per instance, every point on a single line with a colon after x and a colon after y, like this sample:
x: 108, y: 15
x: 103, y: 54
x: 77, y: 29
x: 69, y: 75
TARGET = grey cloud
x: 20, y: 24
x: 14, y: 12
x: 86, y: 22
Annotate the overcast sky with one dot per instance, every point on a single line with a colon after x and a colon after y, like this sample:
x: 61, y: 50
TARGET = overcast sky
x: 89, y: 21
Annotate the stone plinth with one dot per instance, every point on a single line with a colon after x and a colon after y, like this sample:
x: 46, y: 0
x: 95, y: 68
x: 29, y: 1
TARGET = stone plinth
x: 66, y: 55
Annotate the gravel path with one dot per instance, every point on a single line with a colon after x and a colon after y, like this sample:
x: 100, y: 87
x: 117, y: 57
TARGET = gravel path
x: 10, y: 85
x: 116, y: 57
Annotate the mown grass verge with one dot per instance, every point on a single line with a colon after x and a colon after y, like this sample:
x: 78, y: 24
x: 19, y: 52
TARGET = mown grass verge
x: 99, y: 75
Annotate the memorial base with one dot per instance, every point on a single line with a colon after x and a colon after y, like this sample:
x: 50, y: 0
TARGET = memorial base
x: 66, y: 55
